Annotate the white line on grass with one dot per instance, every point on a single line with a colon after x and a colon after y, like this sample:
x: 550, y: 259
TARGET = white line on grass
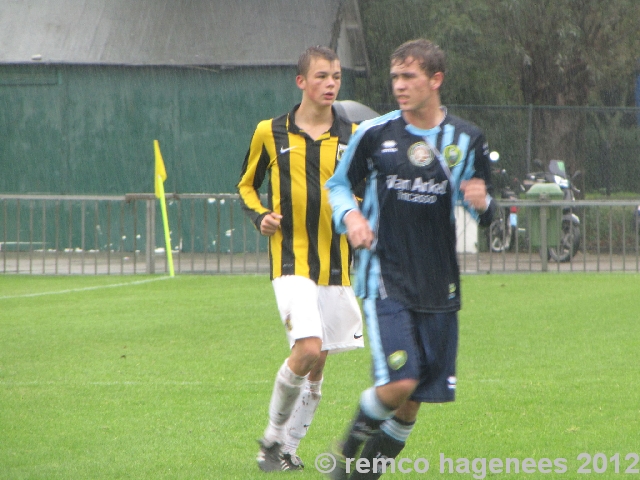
x: 84, y: 289
x: 100, y: 384
x: 35, y: 383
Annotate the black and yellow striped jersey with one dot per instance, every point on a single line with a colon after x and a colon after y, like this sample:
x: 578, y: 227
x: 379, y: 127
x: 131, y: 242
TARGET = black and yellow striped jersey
x: 306, y: 243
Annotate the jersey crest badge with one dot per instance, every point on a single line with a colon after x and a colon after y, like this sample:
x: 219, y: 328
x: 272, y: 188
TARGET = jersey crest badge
x: 420, y: 154
x: 452, y: 155
x: 341, y: 149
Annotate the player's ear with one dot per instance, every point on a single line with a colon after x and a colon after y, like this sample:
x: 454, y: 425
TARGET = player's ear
x: 436, y: 80
x: 300, y: 81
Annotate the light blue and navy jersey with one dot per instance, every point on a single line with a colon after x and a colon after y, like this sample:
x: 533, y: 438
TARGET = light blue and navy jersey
x: 413, y: 181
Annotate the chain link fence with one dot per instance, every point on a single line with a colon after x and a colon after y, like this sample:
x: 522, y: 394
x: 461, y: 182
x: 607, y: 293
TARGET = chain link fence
x: 603, y: 143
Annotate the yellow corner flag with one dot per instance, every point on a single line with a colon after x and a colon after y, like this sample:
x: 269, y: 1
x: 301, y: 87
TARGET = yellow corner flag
x: 161, y: 173
x: 160, y: 176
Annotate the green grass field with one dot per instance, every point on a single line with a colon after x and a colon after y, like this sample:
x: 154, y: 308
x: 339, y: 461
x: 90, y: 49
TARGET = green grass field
x: 153, y: 378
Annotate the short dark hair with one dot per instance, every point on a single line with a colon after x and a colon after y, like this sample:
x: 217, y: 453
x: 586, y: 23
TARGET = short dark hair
x: 429, y: 55
x: 319, y: 51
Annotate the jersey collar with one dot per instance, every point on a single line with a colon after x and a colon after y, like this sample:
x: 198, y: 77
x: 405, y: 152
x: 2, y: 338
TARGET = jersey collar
x: 293, y: 128
x: 413, y: 130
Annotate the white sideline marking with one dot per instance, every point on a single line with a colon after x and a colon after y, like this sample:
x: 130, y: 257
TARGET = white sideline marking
x: 100, y: 384
x: 72, y: 290
x: 35, y: 383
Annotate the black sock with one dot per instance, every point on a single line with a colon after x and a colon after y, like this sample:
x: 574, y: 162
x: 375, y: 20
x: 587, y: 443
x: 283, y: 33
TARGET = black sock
x: 380, y: 445
x: 362, y: 428
x: 383, y: 445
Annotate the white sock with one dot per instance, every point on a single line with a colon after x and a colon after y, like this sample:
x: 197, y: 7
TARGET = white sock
x: 285, y: 393
x: 302, y: 415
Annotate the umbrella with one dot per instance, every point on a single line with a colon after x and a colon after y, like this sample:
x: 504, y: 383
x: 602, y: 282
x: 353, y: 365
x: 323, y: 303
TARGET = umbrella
x: 355, y: 112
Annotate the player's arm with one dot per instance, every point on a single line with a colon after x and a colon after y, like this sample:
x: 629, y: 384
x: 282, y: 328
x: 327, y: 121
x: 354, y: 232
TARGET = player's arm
x: 350, y: 173
x: 254, y: 169
x: 478, y: 189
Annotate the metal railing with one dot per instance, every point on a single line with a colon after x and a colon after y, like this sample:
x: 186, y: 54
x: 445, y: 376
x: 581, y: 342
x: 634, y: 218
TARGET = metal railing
x: 608, y: 231
x: 95, y: 235
x: 85, y: 234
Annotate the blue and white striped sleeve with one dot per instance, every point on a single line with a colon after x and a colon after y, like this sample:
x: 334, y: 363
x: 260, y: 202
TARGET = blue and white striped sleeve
x: 340, y: 187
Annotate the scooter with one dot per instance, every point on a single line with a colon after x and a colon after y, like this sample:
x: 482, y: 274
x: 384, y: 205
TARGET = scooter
x: 570, y: 239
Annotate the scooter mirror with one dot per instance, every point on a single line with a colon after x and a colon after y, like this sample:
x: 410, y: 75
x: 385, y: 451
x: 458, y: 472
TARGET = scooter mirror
x: 494, y: 156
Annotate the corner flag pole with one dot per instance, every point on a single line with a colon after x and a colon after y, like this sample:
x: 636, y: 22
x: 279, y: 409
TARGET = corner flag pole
x: 160, y: 177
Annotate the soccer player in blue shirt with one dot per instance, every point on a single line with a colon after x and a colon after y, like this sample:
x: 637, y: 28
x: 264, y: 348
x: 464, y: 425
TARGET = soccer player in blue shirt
x: 419, y: 162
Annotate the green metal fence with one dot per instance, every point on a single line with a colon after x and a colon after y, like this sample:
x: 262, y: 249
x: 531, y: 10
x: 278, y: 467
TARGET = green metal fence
x: 95, y: 235
x: 84, y: 234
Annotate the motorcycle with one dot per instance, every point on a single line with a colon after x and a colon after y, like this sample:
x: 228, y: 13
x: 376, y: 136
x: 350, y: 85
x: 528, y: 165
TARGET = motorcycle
x: 503, y: 231
x: 570, y: 238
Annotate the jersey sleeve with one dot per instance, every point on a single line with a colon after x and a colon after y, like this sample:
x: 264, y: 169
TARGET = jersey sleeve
x: 482, y: 170
x: 481, y: 161
x: 254, y: 169
x: 348, y: 176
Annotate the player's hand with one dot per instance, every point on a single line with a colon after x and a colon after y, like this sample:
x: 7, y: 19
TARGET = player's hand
x: 475, y: 193
x: 270, y: 224
x: 359, y: 232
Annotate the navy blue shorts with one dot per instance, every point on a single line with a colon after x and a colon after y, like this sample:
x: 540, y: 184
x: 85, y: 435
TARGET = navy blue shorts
x: 407, y: 344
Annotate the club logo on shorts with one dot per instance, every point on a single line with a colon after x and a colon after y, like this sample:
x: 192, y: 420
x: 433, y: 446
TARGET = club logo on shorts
x: 452, y: 291
x: 420, y: 154
x: 341, y: 149
x: 451, y: 382
x: 452, y: 154
x: 397, y: 359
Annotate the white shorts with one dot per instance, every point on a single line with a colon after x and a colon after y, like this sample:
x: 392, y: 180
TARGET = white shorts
x: 329, y: 312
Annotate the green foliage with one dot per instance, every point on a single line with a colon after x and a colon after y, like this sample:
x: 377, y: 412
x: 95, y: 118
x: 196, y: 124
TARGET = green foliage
x: 542, y: 52
x: 611, y: 154
x: 474, y: 74
x: 523, y: 52
x: 171, y: 379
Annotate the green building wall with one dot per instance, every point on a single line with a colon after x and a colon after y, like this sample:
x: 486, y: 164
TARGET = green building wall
x: 89, y: 130
x: 76, y: 129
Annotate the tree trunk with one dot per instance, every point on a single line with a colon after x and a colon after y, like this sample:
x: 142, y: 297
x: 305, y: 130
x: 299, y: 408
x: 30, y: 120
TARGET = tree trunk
x: 557, y: 134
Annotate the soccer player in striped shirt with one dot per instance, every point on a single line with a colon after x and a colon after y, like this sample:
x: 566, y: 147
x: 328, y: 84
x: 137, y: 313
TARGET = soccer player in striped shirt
x: 309, y: 260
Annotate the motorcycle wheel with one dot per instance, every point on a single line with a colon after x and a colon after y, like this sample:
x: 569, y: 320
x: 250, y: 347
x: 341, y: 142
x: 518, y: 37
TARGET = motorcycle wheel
x: 569, y: 243
x: 499, y: 233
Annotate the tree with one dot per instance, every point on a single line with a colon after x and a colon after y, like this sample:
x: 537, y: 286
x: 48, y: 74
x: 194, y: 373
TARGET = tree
x: 474, y: 71
x: 570, y: 53
x: 551, y: 53
x: 540, y: 52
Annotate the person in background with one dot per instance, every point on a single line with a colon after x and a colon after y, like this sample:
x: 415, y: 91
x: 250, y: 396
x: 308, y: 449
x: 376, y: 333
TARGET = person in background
x: 309, y: 261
